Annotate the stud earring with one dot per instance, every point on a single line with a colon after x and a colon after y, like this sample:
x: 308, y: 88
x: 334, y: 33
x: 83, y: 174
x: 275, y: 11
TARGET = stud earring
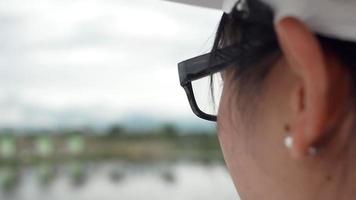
x: 288, y: 142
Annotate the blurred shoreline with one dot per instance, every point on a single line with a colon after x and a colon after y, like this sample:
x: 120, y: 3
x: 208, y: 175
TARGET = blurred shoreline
x: 165, y: 143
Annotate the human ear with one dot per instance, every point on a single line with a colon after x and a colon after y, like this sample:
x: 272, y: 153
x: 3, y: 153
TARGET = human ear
x: 315, y: 94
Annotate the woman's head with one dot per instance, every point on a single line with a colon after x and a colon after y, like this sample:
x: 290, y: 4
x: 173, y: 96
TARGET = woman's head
x: 284, y: 77
x: 303, y: 88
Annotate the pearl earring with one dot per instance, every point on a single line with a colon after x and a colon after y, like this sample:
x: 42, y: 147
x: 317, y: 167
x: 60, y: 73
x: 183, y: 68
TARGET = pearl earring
x: 288, y: 142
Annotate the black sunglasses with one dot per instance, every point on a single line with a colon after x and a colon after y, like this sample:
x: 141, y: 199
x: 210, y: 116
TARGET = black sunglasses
x: 258, y: 41
x: 208, y: 64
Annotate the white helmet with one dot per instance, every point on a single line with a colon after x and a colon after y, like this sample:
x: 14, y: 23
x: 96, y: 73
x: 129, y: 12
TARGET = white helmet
x: 333, y: 18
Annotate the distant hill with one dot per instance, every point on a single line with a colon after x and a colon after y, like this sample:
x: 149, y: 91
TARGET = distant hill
x: 133, y: 122
x: 145, y: 122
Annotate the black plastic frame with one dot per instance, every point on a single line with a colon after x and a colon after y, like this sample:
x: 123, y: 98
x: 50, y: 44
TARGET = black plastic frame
x: 257, y: 41
x: 199, y: 67
x: 208, y: 64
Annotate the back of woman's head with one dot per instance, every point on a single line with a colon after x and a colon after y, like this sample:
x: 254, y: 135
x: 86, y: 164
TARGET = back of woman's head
x: 286, y: 116
x: 300, y: 93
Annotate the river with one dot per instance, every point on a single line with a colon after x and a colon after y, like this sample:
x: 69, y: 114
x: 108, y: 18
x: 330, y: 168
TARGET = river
x: 121, y: 180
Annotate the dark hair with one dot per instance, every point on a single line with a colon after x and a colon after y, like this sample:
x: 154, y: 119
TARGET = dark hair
x: 239, y: 27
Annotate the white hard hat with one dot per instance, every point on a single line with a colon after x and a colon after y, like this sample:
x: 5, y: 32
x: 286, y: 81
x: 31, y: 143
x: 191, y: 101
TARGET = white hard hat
x: 333, y: 18
x: 215, y: 4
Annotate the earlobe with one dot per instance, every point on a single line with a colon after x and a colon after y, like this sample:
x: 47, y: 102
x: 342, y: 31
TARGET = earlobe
x: 305, y: 57
x: 288, y: 142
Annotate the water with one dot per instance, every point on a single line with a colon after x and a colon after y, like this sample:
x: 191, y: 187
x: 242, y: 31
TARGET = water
x: 117, y: 180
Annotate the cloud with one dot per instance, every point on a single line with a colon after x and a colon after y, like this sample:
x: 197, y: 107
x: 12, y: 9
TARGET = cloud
x: 96, y: 60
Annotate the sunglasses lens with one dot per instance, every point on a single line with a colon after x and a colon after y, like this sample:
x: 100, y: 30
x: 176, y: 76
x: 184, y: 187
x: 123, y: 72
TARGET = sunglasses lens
x: 207, y: 93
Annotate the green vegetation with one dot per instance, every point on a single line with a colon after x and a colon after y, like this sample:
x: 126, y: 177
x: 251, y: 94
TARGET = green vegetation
x: 164, y: 143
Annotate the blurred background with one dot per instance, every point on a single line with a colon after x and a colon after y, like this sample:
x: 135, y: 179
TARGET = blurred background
x: 91, y: 107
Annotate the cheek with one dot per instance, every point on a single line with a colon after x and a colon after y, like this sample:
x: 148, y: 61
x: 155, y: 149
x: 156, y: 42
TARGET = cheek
x: 229, y: 133
x: 243, y: 147
x: 234, y: 138
x: 252, y: 136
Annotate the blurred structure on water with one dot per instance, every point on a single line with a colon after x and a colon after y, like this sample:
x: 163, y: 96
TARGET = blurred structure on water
x: 7, y: 146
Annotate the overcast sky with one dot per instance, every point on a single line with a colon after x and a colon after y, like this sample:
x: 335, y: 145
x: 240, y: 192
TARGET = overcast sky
x: 77, y: 62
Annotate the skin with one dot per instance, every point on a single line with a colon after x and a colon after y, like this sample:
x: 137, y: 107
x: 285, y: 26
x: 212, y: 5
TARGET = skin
x: 306, y: 96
